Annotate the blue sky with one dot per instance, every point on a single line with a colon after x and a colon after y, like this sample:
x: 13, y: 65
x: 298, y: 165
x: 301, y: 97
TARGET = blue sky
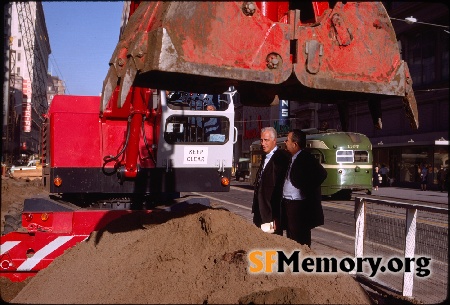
x: 83, y: 36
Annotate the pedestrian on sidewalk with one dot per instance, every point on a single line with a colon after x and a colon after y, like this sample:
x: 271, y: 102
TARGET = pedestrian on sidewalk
x: 441, y: 178
x: 384, y: 172
x: 376, y: 177
x: 424, y: 178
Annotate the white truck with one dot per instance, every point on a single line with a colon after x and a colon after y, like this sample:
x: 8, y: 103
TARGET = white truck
x: 33, y: 168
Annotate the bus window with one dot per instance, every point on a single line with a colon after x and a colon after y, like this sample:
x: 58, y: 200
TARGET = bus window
x: 361, y: 156
x: 344, y: 156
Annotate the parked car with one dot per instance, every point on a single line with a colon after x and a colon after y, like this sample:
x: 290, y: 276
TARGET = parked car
x: 242, y: 170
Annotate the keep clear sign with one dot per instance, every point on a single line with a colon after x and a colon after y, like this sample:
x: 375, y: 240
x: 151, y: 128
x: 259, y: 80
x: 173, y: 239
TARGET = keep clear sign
x: 195, y: 155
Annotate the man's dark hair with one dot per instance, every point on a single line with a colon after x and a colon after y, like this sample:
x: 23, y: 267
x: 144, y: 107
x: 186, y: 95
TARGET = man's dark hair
x: 299, y: 137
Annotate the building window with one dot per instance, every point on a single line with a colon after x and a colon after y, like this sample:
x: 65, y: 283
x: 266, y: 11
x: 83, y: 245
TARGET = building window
x: 444, y: 58
x: 421, y: 58
x: 19, y: 56
x: 19, y: 43
x: 429, y: 58
x: 18, y: 71
x: 411, y: 162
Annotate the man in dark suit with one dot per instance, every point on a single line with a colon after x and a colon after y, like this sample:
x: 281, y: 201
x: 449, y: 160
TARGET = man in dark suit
x: 302, y: 207
x: 269, y: 183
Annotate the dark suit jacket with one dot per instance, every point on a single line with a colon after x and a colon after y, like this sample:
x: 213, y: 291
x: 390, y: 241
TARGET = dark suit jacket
x: 268, y: 194
x: 307, y: 174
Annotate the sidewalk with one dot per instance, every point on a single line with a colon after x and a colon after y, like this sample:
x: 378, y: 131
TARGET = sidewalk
x: 409, y: 194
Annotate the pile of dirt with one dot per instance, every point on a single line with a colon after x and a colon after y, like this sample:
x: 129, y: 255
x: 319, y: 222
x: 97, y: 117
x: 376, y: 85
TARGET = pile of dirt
x: 198, y: 255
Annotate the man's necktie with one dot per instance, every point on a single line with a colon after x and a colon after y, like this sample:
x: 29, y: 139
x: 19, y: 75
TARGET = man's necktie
x: 288, y: 172
x: 260, y: 170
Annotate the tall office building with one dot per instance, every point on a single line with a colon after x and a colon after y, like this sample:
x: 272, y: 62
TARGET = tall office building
x: 26, y: 53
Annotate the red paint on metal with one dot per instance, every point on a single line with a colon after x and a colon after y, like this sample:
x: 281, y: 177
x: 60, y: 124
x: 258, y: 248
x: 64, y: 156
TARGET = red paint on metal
x: 79, y: 144
x: 138, y: 111
x: 202, y: 41
x: 320, y: 7
x: 206, y: 45
x: 371, y: 57
x: 133, y: 6
x: 30, y: 245
x: 273, y: 10
x: 37, y: 249
x: 85, y: 143
x: 227, y: 47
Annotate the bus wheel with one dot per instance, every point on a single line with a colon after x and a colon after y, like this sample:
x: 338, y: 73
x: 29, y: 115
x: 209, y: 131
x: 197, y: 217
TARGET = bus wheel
x: 343, y: 195
x: 347, y: 194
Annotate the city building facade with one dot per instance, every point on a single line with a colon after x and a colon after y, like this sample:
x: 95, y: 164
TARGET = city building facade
x: 26, y: 53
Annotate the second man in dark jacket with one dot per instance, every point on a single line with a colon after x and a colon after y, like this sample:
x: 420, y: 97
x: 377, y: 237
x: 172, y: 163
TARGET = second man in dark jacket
x: 302, y: 207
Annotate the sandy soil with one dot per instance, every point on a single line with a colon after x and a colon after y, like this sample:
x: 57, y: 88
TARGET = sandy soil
x: 16, y: 190
x: 199, y: 255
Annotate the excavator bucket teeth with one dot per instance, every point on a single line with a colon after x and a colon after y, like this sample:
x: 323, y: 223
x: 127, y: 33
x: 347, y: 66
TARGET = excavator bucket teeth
x: 109, y: 84
x: 410, y: 106
x: 409, y: 101
x: 126, y: 82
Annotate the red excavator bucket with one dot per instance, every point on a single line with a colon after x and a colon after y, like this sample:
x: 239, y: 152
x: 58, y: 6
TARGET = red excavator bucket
x: 298, y: 51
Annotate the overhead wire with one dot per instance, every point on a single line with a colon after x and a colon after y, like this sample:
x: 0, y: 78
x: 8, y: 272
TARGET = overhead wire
x: 59, y: 73
x: 411, y: 20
